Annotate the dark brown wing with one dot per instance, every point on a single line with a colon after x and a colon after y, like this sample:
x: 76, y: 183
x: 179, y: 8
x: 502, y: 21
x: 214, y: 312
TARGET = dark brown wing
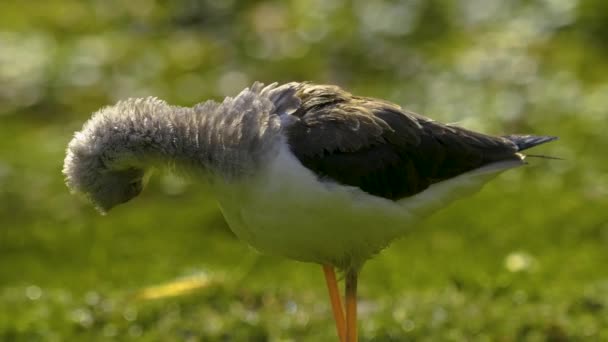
x: 378, y: 147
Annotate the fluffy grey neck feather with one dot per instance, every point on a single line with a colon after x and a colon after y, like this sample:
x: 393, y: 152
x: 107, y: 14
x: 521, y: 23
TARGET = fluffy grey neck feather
x: 226, y: 138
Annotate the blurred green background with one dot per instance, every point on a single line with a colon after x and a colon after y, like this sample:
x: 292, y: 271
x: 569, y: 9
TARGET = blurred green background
x: 523, y: 260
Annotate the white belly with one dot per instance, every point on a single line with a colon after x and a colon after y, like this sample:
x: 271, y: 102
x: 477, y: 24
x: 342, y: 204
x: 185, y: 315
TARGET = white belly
x: 286, y: 211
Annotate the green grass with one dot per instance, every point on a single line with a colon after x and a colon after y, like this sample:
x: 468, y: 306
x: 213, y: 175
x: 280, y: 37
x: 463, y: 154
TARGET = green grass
x: 523, y: 260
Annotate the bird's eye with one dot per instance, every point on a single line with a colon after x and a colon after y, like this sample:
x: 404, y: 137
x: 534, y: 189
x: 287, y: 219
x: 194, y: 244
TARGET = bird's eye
x: 135, y: 186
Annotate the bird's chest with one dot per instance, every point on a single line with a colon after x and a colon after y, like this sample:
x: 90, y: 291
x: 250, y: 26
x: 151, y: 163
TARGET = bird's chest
x: 285, y: 210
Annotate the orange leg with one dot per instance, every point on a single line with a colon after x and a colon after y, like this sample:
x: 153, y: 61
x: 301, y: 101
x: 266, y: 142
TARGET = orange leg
x: 336, y: 303
x: 351, y: 306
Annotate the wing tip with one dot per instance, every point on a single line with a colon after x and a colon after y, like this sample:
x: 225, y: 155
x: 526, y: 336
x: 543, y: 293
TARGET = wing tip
x: 524, y: 142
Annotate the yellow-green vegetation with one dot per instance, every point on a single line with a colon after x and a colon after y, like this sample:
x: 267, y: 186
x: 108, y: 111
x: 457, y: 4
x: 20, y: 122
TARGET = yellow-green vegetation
x: 524, y: 260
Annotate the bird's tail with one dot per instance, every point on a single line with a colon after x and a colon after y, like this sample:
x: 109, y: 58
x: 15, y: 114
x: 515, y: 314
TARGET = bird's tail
x: 524, y: 142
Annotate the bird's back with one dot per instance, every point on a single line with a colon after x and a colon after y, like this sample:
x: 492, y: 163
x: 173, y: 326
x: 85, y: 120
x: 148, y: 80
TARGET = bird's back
x: 384, y: 150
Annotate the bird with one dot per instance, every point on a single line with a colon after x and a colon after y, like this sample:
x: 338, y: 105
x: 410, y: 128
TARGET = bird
x: 301, y: 170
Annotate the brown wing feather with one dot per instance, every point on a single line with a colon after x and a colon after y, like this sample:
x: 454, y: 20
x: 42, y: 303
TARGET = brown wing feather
x: 380, y: 148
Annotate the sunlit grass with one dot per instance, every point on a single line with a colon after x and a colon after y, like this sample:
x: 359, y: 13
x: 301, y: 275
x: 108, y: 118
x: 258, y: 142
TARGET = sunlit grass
x: 523, y: 260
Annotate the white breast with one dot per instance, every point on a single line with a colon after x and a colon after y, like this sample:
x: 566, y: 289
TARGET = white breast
x: 285, y: 210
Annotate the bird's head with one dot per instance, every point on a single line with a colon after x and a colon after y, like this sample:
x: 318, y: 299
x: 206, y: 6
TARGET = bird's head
x: 105, y: 188
x: 115, y: 187
x: 91, y: 168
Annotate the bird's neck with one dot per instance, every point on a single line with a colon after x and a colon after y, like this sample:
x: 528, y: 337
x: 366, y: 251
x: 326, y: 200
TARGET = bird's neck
x: 211, y: 137
x: 144, y: 133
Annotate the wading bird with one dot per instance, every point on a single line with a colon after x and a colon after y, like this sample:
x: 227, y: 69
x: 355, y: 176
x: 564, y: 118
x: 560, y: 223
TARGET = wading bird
x: 309, y: 172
